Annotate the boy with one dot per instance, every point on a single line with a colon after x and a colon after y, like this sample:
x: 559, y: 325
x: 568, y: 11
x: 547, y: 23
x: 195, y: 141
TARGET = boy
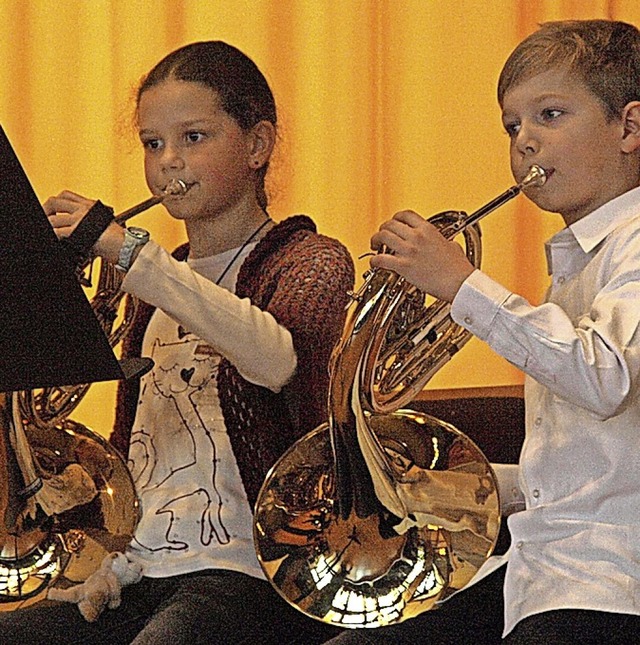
x: 570, y: 99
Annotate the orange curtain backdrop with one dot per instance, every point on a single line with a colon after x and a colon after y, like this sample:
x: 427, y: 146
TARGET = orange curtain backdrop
x: 384, y: 105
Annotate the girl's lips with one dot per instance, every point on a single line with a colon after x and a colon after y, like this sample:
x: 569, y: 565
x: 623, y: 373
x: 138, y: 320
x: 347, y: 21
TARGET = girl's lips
x: 176, y: 188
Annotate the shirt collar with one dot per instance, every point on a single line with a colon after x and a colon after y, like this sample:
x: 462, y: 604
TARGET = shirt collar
x: 594, y: 228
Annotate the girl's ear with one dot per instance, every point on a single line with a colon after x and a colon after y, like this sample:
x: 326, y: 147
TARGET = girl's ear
x: 631, y: 124
x: 262, y: 140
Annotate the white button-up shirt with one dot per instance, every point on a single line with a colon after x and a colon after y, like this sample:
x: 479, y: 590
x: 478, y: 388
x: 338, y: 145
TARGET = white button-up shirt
x: 577, y: 544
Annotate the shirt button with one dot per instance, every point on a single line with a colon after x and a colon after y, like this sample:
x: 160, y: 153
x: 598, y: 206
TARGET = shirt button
x: 468, y: 320
x: 536, y: 493
x: 538, y: 421
x: 561, y: 279
x: 519, y: 545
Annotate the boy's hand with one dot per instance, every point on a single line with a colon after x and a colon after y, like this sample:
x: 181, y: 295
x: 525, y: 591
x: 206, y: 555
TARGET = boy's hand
x: 417, y: 251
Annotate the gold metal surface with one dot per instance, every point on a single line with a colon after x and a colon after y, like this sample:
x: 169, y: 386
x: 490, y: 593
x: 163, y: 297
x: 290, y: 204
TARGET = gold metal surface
x: 383, y: 512
x: 416, y: 336
x: 86, y: 508
x: 67, y: 498
x: 357, y: 571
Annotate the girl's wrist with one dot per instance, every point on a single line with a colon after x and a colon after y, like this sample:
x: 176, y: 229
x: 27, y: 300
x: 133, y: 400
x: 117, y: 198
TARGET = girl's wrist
x: 110, y: 242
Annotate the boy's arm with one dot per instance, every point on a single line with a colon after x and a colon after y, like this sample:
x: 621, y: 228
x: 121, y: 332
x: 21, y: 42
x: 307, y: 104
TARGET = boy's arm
x: 420, y: 254
x: 511, y: 495
x: 593, y: 361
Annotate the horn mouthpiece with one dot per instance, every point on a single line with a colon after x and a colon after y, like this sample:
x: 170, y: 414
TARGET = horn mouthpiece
x: 176, y: 187
x: 536, y: 177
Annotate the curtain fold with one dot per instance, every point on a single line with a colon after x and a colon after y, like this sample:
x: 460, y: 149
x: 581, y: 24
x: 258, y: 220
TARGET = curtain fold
x: 384, y: 105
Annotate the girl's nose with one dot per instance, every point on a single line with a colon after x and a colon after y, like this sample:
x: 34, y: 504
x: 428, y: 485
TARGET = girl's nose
x: 172, y: 157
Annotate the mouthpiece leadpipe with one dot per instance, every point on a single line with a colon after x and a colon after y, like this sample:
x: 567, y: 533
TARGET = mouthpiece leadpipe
x: 536, y: 177
x: 174, y: 187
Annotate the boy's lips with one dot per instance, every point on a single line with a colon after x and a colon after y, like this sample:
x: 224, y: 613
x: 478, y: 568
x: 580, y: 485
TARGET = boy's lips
x: 548, y: 171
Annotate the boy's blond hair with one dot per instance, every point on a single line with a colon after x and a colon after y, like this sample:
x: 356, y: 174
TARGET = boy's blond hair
x: 604, y: 54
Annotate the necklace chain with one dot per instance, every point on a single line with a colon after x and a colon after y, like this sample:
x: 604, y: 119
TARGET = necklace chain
x: 241, y: 249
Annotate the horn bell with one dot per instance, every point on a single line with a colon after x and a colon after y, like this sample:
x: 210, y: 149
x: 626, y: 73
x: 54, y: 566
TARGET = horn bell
x: 357, y: 572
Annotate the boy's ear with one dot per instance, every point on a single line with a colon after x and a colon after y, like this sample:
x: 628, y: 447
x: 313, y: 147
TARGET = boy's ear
x: 631, y: 124
x: 262, y: 142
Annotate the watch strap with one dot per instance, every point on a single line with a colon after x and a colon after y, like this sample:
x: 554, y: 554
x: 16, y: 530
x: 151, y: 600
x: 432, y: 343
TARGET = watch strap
x: 127, y: 250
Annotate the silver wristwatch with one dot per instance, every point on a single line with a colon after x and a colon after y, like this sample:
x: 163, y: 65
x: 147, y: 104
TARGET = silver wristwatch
x: 134, y: 237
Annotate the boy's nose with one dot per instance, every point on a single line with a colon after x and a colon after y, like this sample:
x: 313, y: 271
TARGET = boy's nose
x: 526, y: 141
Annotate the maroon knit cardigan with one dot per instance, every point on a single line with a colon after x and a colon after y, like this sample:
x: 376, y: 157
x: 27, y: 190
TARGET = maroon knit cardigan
x: 302, y: 278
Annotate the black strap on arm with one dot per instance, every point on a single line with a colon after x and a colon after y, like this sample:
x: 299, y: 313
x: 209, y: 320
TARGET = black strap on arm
x: 90, y: 228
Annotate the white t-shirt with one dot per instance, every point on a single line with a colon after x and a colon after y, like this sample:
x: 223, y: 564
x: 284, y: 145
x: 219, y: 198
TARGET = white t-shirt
x: 195, y: 513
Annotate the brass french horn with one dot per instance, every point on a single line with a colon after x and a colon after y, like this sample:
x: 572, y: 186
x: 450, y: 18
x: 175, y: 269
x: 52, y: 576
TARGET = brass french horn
x: 67, y: 498
x: 383, y: 512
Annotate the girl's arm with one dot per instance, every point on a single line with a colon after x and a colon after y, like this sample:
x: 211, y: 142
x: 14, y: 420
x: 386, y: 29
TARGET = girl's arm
x: 251, y: 339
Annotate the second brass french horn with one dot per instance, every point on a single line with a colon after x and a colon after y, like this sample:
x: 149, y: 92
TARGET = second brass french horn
x: 383, y: 512
x: 67, y: 498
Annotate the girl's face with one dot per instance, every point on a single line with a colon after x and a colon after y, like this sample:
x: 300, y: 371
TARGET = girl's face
x: 187, y: 135
x: 555, y: 121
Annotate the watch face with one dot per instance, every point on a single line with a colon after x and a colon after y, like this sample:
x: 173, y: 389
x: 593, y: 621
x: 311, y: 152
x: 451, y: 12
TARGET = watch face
x: 138, y: 232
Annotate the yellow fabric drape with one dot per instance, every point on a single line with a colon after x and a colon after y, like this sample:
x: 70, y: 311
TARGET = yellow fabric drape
x: 384, y: 105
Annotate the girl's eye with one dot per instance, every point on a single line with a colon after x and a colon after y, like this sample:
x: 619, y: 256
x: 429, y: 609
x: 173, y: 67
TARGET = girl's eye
x: 550, y: 114
x: 151, y: 144
x: 194, y: 137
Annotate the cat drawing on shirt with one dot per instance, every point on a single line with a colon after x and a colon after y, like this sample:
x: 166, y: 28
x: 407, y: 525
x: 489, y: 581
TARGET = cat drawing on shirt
x: 182, y: 458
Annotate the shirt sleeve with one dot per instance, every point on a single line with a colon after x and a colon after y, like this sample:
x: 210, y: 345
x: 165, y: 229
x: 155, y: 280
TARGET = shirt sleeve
x: 591, y: 361
x: 251, y: 339
x: 511, y: 495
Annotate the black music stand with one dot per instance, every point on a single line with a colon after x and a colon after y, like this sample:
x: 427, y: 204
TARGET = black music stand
x: 49, y: 335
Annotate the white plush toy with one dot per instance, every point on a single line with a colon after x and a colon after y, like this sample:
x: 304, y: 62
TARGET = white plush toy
x: 102, y: 588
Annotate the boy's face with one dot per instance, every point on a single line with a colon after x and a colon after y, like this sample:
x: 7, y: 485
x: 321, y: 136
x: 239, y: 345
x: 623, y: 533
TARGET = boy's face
x: 555, y: 121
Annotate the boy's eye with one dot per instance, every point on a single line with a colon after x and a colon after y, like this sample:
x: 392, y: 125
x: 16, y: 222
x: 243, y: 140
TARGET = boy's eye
x: 512, y: 129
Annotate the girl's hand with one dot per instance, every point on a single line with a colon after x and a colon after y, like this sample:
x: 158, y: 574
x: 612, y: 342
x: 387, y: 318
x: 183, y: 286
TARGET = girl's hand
x: 416, y: 250
x: 67, y: 209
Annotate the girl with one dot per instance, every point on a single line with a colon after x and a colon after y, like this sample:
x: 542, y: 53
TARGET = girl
x: 240, y: 323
